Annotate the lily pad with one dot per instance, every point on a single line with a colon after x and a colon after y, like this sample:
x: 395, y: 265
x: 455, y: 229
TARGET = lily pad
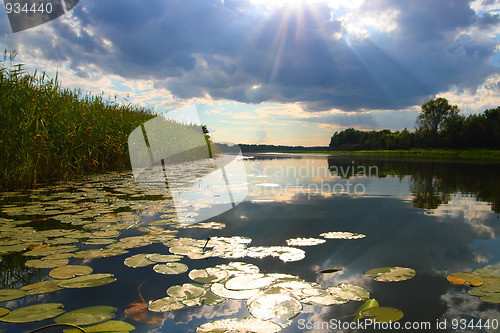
x: 41, y: 263
x: 249, y: 281
x: 33, y: 313
x: 341, y: 235
x: 41, y: 287
x: 87, y: 316
x: 391, y: 274
x: 99, y: 253
x: 239, y: 325
x: 465, y: 278
x: 210, y: 298
x: 491, y: 298
x: 350, y: 292
x: 369, y: 303
x: 488, y: 272
x: 156, y: 257
x: 91, y: 280
x: 138, y: 260
x: 324, y: 300
x: 107, y: 327
x: 70, y: 271
x: 219, y: 290
x: 382, y: 314
x: 170, y: 268
x: 166, y: 304
x: 3, y: 311
x: 274, y: 306
x: 10, y: 294
x: 304, y: 241
x: 45, y: 251
x: 186, y: 291
x: 208, y: 275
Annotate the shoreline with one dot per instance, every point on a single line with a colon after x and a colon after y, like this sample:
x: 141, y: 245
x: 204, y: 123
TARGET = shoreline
x: 446, y: 154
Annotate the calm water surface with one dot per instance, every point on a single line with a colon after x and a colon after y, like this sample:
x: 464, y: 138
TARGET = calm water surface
x: 436, y: 217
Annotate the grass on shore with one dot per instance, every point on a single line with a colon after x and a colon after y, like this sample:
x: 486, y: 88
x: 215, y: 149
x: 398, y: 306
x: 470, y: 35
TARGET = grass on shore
x: 48, y: 133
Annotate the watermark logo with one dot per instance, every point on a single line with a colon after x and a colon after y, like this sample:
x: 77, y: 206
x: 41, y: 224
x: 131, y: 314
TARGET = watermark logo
x: 174, y: 151
x: 26, y: 14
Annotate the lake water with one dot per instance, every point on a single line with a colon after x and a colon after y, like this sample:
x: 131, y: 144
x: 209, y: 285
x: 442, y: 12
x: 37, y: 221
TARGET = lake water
x: 435, y: 217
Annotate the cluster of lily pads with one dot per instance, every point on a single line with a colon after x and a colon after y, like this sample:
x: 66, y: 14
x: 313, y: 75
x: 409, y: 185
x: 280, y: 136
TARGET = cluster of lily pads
x: 52, y: 226
x: 272, y: 299
x: 485, y: 283
x: 91, y: 319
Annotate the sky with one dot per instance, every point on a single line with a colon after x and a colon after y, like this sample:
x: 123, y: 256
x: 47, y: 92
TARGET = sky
x: 275, y: 72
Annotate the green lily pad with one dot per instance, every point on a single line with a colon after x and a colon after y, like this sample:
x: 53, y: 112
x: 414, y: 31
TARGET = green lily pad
x: 488, y: 272
x: 304, y: 241
x: 62, y: 240
x: 99, y: 241
x: 87, y: 316
x: 33, y: 313
x: 42, y: 263
x: 41, y: 287
x: 490, y: 285
x: 477, y: 292
x: 491, y: 298
x: 208, y: 275
x: 369, y: 303
x: 341, y: 235
x: 324, y: 300
x: 10, y: 294
x: 138, y: 260
x: 156, y: 257
x: 382, y: 314
x: 239, y: 325
x: 210, y: 298
x: 12, y: 248
x: 130, y: 242
x: 219, y: 290
x: 99, y: 253
x: 70, y: 271
x: 391, y: 274
x: 170, y: 268
x: 249, y: 281
x: 45, y: 251
x: 274, y: 306
x: 186, y: 291
x: 3, y: 311
x: 166, y: 304
x: 107, y: 327
x: 350, y: 292
x: 86, y: 281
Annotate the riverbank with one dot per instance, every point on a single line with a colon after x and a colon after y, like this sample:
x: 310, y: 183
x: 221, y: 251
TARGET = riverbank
x: 49, y: 133
x: 487, y: 154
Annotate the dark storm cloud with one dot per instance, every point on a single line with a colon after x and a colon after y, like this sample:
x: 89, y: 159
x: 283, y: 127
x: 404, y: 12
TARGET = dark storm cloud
x: 235, y: 51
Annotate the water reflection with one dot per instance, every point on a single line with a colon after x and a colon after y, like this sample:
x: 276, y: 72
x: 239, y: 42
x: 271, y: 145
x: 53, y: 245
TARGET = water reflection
x: 434, y: 181
x: 414, y: 214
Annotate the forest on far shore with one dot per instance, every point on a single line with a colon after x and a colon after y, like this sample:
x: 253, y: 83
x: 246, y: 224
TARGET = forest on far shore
x: 439, y: 125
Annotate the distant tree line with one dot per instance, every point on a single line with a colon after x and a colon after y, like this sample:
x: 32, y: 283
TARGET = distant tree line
x: 261, y: 148
x: 439, y: 125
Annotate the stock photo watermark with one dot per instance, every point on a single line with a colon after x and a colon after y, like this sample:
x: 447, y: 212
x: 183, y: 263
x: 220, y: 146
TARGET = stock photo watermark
x: 26, y: 14
x: 312, y: 180
x: 174, y: 152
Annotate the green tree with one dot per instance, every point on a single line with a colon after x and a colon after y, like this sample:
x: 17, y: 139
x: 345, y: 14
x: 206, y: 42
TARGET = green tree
x: 433, y: 117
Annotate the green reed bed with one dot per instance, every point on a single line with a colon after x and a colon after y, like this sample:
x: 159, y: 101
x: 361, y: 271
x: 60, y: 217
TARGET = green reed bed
x: 48, y: 133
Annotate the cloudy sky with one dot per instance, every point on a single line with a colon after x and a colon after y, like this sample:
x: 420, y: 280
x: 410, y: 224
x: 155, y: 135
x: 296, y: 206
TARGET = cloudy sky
x: 276, y: 72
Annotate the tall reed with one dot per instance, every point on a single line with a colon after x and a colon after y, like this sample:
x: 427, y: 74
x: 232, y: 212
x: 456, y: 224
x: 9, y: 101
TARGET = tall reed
x: 49, y: 133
